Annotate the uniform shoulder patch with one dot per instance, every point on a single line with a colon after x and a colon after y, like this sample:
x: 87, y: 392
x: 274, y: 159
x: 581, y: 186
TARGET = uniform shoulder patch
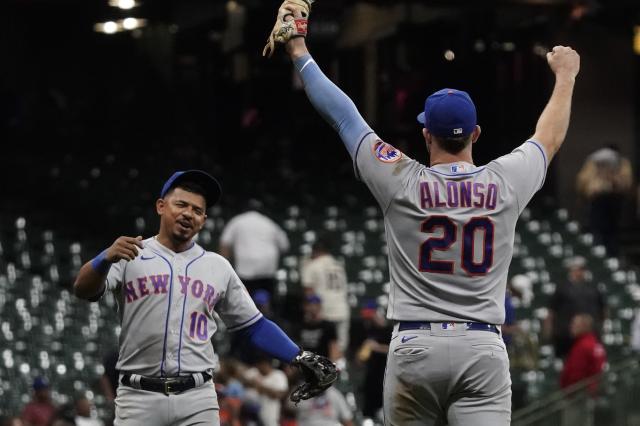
x: 386, y: 153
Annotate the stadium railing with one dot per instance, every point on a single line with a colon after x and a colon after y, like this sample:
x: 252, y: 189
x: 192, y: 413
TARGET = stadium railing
x: 613, y: 404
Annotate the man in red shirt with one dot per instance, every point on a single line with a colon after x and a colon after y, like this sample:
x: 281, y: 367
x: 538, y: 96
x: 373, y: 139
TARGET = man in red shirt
x: 586, y: 357
x: 40, y: 410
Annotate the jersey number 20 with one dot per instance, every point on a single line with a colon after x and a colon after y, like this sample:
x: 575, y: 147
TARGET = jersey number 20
x: 449, y: 236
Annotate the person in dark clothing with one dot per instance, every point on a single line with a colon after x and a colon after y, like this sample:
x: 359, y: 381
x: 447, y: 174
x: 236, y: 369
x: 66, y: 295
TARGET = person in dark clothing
x: 372, y: 353
x: 577, y: 296
x: 109, y: 379
x: 316, y: 334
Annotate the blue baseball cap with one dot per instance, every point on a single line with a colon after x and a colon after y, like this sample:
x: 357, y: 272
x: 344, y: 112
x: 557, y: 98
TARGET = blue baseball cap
x: 261, y: 297
x: 211, y: 186
x: 313, y: 298
x: 40, y: 383
x: 449, y: 113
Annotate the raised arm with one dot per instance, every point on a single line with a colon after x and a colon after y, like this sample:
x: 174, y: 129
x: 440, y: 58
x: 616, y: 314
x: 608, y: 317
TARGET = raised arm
x: 89, y: 283
x: 331, y: 102
x: 554, y: 121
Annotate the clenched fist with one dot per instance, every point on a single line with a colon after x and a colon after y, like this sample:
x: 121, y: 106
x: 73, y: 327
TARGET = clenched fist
x: 564, y: 61
x: 124, y: 248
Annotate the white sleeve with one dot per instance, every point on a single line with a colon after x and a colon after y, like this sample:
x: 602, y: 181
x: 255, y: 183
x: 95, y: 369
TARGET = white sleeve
x: 227, y: 236
x: 383, y: 168
x: 524, y: 169
x: 280, y: 382
x: 281, y: 239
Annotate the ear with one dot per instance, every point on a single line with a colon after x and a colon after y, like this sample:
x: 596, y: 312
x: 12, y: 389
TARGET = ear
x: 427, y: 138
x: 160, y: 206
x: 476, y: 134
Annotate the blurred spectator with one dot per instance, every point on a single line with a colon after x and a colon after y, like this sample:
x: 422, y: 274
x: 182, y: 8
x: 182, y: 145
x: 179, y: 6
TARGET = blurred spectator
x: 635, y: 333
x: 586, y: 357
x: 241, y: 349
x: 254, y: 243
x: 40, y: 411
x: 83, y: 414
x: 509, y: 327
x: 325, y: 276
x: 230, y: 393
x: 576, y: 296
x: 522, y: 348
x: 12, y: 421
x: 372, y: 353
x: 315, y: 334
x: 64, y: 416
x: 109, y: 379
x: 327, y: 409
x: 522, y: 290
x: 266, y: 385
x: 604, y: 181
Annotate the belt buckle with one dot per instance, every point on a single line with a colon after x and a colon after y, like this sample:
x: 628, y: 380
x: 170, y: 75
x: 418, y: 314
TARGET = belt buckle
x: 167, y: 385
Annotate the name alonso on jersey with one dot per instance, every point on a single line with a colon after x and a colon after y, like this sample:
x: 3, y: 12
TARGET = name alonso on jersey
x: 458, y: 194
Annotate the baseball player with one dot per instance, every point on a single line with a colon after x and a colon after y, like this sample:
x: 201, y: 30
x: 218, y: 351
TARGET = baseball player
x: 450, y: 230
x: 167, y: 288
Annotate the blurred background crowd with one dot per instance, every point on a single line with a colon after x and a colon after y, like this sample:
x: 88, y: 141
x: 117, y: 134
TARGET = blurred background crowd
x: 101, y: 100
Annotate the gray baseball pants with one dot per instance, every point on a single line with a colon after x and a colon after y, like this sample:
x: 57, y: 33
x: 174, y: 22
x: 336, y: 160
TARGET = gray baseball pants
x: 454, y: 377
x: 197, y: 406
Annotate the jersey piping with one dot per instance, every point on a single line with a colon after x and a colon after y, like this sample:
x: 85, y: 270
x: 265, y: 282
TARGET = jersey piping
x: 184, y: 303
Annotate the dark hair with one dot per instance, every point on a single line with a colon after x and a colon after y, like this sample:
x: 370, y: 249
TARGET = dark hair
x: 453, y: 145
x: 189, y: 186
x: 323, y: 243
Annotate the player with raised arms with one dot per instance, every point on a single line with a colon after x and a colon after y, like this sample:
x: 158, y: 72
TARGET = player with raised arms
x: 167, y: 288
x: 450, y: 232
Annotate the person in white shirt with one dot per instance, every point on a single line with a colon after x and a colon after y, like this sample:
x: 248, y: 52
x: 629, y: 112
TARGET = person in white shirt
x: 254, y: 243
x: 326, y: 277
x: 327, y: 409
x: 267, y: 386
x: 83, y: 414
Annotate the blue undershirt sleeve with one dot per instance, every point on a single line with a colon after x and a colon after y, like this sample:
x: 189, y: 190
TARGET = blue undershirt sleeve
x: 268, y: 337
x: 333, y: 104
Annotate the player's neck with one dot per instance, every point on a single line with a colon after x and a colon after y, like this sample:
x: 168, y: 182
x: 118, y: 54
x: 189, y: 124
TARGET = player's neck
x: 174, y: 246
x: 442, y: 157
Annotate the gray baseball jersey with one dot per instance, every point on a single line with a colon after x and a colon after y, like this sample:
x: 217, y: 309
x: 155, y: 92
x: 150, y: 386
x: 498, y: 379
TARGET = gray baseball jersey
x: 450, y: 228
x: 166, y: 302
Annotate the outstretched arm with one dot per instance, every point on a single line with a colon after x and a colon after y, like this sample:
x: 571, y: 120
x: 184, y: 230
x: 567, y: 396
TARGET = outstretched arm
x: 554, y: 121
x: 331, y: 102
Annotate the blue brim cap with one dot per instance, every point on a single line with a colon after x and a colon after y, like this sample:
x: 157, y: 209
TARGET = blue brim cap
x: 449, y: 113
x: 211, y: 187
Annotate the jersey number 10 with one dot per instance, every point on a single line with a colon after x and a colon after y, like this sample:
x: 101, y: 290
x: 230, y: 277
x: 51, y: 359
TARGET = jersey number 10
x: 449, y: 236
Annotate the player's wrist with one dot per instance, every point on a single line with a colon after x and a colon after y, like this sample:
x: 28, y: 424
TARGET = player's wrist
x: 101, y: 264
x: 297, y: 48
x: 565, y: 78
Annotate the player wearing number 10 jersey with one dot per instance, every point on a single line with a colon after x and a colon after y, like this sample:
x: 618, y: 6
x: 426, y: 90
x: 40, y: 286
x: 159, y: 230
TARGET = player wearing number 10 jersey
x: 450, y: 233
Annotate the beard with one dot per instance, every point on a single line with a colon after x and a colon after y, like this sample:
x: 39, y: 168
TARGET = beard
x: 182, y: 236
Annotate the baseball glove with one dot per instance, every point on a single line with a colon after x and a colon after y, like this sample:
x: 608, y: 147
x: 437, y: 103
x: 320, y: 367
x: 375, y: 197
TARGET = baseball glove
x: 319, y: 374
x: 285, y: 29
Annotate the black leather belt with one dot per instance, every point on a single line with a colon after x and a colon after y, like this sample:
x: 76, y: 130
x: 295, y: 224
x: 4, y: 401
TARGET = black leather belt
x: 419, y: 325
x: 165, y: 385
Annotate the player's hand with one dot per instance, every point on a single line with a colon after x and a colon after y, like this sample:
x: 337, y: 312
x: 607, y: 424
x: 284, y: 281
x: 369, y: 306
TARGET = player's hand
x: 124, y: 248
x: 564, y: 61
x: 291, y: 23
